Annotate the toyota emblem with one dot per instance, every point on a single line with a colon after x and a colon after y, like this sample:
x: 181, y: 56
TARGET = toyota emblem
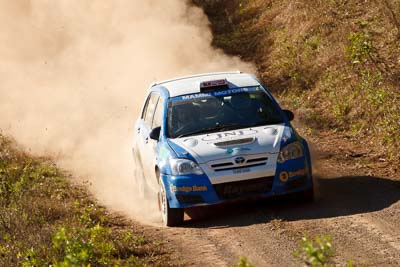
x: 240, y: 160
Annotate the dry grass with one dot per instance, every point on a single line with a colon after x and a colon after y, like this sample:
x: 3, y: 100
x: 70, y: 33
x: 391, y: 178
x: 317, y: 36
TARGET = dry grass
x: 44, y: 220
x: 336, y: 62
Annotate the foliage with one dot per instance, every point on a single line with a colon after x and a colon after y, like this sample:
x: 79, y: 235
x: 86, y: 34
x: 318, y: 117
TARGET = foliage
x: 315, y: 253
x: 359, y: 48
x: 335, y: 63
x: 44, y: 220
x: 243, y: 262
x: 83, y: 246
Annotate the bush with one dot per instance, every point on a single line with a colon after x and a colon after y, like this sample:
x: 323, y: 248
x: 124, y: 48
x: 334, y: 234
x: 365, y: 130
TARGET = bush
x: 45, y: 221
x: 315, y: 253
x: 243, y: 262
x: 360, y: 47
x: 81, y: 246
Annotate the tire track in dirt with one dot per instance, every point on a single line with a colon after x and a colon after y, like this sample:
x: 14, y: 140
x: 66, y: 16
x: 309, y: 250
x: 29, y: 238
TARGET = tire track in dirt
x: 197, y: 248
x: 355, y: 238
x: 223, y: 246
x: 385, y: 245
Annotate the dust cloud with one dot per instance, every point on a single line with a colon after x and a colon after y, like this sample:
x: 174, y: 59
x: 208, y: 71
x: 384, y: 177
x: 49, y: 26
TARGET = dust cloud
x: 73, y: 76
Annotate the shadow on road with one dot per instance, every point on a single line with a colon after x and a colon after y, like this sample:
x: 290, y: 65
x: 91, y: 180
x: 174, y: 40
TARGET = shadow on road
x: 338, y: 197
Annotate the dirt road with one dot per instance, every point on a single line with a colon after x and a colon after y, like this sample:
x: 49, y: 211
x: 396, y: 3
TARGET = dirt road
x: 357, y: 206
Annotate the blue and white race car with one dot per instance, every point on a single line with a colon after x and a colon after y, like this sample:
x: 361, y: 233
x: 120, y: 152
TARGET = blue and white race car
x: 218, y: 137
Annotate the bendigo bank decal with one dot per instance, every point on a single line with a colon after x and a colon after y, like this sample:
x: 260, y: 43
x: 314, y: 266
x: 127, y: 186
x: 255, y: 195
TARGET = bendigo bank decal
x: 187, y: 189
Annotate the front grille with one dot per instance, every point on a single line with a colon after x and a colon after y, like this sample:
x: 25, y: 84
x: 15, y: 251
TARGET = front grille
x: 189, y: 199
x: 240, y: 167
x: 245, y: 188
x: 230, y: 165
x: 222, y: 164
x: 257, y: 160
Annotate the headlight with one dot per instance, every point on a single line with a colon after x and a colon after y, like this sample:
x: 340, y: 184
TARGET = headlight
x: 184, y: 166
x: 291, y: 151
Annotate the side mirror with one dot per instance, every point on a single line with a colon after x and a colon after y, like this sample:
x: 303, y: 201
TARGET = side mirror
x: 289, y: 114
x: 155, y: 133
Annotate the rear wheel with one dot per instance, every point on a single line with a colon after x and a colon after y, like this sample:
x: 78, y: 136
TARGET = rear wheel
x: 170, y: 216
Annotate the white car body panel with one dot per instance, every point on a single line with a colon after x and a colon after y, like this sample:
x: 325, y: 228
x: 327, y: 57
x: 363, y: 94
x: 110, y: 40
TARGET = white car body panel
x: 212, y: 150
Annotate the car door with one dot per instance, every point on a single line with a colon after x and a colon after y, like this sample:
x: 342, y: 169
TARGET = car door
x: 146, y: 146
x: 151, y: 150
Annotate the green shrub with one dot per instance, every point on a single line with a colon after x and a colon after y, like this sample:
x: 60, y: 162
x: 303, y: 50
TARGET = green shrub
x: 316, y: 252
x: 243, y: 262
x: 83, y: 246
x: 360, y: 47
x: 45, y: 221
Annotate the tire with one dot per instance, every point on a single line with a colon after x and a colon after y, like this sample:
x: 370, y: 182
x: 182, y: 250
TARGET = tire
x: 170, y: 216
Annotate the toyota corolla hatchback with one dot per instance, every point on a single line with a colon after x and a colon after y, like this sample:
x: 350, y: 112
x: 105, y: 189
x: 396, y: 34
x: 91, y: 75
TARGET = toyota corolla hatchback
x: 213, y: 138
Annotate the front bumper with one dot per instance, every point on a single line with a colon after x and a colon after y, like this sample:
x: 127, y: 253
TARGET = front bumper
x: 196, y: 190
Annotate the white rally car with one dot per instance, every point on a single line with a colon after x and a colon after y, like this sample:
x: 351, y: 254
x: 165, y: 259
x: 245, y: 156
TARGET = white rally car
x: 213, y: 138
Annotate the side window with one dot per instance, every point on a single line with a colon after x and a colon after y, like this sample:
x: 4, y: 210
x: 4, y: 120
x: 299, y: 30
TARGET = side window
x: 145, y: 108
x: 151, y: 106
x: 158, y: 114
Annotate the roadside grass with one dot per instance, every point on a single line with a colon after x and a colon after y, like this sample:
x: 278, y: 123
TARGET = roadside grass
x: 243, y: 262
x: 317, y: 252
x: 335, y: 63
x: 46, y: 221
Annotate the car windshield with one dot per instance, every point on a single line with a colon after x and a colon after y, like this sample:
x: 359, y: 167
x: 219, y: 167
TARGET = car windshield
x: 213, y: 112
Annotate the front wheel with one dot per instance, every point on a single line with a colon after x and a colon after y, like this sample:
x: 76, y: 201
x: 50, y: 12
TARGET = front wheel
x: 170, y: 216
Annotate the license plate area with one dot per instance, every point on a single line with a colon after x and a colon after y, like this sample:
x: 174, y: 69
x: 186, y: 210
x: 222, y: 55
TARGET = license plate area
x: 246, y: 188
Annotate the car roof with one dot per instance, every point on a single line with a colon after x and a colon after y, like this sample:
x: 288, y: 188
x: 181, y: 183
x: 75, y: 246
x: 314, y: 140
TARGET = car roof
x: 191, y: 84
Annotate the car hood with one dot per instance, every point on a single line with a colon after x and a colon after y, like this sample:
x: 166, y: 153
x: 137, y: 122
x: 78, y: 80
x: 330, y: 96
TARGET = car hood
x: 220, y: 145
